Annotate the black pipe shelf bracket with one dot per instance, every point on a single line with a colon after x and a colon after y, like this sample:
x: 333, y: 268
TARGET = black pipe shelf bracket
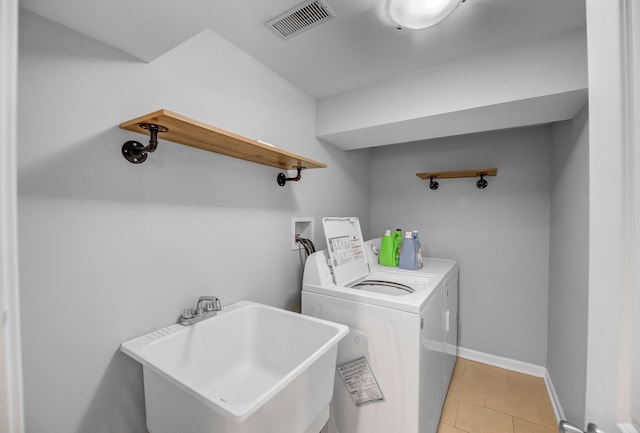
x: 481, y: 183
x: 135, y: 152
x: 282, y: 178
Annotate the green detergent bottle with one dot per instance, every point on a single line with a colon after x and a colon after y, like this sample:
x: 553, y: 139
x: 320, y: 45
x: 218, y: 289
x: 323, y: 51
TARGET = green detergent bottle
x: 387, y: 254
x: 397, y: 242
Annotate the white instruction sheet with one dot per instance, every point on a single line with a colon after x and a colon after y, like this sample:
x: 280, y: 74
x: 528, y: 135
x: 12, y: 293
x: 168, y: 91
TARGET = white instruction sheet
x: 360, y: 381
x: 345, y: 250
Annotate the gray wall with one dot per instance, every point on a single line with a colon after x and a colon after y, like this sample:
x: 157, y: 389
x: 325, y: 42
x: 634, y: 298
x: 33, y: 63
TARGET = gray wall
x: 569, y: 265
x: 500, y: 235
x: 110, y: 250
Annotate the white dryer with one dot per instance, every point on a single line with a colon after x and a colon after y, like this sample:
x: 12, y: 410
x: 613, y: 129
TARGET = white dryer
x: 391, y: 374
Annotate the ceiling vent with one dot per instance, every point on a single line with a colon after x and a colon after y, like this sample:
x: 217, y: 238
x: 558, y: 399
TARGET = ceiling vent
x: 300, y: 18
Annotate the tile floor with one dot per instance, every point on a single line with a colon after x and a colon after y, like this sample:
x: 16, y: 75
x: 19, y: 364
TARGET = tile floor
x: 487, y: 399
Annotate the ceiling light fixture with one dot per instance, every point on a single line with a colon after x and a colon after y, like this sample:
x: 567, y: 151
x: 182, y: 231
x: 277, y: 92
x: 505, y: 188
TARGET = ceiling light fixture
x: 420, y: 14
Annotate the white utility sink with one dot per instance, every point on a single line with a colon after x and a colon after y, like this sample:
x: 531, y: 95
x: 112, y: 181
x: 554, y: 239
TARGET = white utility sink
x: 250, y: 369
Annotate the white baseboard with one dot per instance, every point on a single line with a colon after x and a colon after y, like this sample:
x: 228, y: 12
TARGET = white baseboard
x: 524, y: 368
x: 553, y: 396
x: 499, y: 361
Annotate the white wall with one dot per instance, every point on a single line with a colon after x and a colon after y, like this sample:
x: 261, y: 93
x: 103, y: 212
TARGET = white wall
x: 611, y: 221
x: 110, y: 250
x: 11, y: 407
x: 500, y: 235
x: 635, y: 304
x: 534, y: 84
x: 569, y: 265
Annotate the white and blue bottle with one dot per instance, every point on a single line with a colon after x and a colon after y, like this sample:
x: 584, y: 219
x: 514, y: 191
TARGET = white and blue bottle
x: 409, y: 252
x: 419, y: 248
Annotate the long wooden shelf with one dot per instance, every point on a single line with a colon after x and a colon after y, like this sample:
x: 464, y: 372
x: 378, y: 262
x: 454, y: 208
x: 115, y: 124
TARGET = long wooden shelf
x: 184, y: 130
x: 458, y: 174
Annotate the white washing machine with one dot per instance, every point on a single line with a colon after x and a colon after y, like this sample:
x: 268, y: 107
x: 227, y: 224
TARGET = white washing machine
x: 394, y: 365
x: 448, y: 270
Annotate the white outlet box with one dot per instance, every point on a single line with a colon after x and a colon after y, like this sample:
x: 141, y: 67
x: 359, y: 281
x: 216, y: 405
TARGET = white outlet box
x: 302, y: 227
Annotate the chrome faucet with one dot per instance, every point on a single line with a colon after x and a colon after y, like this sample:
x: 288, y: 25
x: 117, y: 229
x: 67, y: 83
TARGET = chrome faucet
x: 207, y: 306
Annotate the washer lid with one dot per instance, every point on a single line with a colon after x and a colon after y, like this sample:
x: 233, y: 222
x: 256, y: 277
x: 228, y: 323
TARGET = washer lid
x: 346, y: 249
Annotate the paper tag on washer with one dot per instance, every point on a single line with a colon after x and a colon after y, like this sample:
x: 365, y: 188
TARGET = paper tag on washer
x: 360, y: 381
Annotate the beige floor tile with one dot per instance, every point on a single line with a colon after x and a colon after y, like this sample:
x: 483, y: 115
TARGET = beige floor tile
x: 547, y: 415
x: 526, y: 384
x: 513, y: 403
x: 445, y: 428
x: 458, y: 371
x: 486, y: 374
x: 467, y: 391
x: 487, y: 399
x: 450, y: 410
x: 473, y: 418
x: 524, y: 426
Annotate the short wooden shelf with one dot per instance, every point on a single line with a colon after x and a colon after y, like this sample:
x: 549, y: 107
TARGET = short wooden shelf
x: 184, y: 130
x: 458, y: 174
x: 478, y: 172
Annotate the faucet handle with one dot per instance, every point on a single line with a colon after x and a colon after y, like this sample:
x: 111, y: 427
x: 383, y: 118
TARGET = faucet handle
x: 212, y: 305
x: 188, y: 313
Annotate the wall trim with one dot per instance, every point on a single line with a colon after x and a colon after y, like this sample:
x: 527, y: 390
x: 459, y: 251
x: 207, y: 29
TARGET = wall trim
x: 11, y: 389
x: 499, y: 361
x: 524, y: 368
x: 553, y: 396
x: 631, y: 98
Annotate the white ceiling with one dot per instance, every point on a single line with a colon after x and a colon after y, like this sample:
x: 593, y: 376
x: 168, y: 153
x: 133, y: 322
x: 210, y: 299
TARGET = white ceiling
x: 359, y: 47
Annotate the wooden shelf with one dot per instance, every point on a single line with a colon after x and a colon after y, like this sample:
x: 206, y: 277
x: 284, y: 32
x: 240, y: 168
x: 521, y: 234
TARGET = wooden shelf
x: 479, y: 172
x: 184, y: 130
x: 458, y: 174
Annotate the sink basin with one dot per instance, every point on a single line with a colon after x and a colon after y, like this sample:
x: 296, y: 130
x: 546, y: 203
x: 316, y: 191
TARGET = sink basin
x: 252, y: 368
